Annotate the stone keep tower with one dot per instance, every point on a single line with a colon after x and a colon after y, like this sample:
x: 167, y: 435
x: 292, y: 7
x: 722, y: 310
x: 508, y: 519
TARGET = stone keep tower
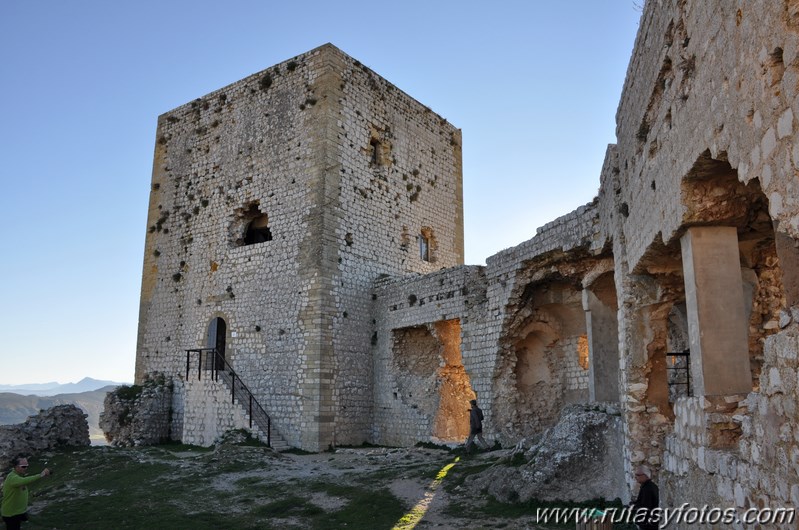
x: 275, y: 203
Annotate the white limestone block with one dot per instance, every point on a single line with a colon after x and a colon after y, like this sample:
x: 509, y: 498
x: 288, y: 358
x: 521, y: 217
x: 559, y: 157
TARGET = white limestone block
x: 785, y: 123
x: 740, y: 498
x: 769, y: 142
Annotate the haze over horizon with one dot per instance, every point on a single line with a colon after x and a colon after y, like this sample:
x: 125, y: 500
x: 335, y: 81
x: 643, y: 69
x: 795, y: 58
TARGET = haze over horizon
x: 534, y: 86
x: 50, y: 384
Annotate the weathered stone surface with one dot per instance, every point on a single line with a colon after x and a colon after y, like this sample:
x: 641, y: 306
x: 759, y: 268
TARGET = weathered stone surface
x: 62, y: 425
x: 138, y: 414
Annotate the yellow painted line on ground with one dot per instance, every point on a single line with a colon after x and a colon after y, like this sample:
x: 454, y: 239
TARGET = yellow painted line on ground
x: 412, y: 518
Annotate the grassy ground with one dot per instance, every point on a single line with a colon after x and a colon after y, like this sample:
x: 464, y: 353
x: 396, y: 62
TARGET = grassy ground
x: 248, y: 486
x: 159, y: 487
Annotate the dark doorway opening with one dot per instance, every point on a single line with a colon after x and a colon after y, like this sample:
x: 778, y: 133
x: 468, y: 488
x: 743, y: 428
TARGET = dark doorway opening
x: 217, y: 333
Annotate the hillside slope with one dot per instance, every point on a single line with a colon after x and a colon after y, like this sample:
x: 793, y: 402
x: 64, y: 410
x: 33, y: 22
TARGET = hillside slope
x: 15, y: 408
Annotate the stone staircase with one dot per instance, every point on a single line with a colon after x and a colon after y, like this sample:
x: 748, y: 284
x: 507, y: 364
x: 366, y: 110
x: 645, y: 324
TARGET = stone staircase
x: 275, y: 440
x: 259, y: 421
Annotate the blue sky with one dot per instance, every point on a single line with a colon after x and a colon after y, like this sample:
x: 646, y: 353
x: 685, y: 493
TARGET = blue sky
x: 534, y: 85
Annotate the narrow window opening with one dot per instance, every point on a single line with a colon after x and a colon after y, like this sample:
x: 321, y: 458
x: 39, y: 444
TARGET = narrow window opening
x: 375, y: 149
x: 427, y: 244
x: 424, y: 247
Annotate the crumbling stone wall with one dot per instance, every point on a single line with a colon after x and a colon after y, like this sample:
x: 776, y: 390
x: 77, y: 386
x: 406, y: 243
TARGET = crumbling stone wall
x: 544, y: 324
x: 430, y: 378
x: 455, y: 389
x: 547, y: 369
x: 139, y: 414
x: 59, y: 426
x: 568, y: 247
x: 577, y: 459
x: 424, y: 375
x: 706, y: 137
x: 416, y: 356
x: 705, y: 130
x: 496, y: 327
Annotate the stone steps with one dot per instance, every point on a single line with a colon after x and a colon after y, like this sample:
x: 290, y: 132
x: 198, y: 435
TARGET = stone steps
x: 277, y: 442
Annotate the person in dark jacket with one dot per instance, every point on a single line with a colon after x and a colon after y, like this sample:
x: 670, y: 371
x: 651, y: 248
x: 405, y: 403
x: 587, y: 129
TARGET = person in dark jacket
x: 648, y: 498
x: 475, y: 426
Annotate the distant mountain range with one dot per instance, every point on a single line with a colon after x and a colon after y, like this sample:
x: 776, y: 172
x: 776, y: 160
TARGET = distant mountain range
x: 18, y: 402
x: 87, y: 384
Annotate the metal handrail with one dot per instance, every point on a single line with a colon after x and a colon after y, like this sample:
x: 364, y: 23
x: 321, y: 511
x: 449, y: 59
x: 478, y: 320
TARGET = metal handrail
x: 216, y: 364
x: 686, y: 369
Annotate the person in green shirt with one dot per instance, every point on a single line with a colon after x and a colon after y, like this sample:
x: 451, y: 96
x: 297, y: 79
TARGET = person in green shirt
x: 14, y: 508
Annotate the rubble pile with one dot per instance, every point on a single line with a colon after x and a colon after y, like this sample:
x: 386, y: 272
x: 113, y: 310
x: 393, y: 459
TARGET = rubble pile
x: 575, y: 460
x: 62, y: 425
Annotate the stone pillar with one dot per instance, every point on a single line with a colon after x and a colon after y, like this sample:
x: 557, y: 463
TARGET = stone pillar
x: 717, y: 324
x: 603, y: 344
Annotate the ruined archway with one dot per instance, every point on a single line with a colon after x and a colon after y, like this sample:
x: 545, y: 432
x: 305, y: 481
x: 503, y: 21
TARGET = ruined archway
x: 722, y: 212
x: 549, y: 349
x: 538, y: 380
x: 713, y: 291
x: 719, y: 211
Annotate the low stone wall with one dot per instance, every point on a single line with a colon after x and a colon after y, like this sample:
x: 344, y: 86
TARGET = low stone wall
x: 62, y: 425
x: 209, y: 412
x: 736, y: 452
x: 138, y: 414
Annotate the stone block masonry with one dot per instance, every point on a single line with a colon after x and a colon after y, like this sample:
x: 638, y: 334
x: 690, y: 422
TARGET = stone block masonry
x: 139, y: 414
x: 706, y: 146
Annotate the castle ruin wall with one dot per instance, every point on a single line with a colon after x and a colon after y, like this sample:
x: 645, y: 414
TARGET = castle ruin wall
x: 706, y: 138
x: 412, y: 369
x: 399, y: 211
x: 361, y: 336
x: 568, y: 246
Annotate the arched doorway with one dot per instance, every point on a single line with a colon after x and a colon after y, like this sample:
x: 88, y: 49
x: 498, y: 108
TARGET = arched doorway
x: 217, y: 333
